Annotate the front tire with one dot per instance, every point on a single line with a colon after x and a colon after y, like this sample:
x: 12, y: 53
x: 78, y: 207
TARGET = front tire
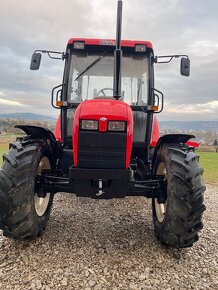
x: 178, y: 219
x: 23, y: 214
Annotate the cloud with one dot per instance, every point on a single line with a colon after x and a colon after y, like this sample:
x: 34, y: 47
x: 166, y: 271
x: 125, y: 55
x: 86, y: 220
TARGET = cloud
x: 186, y: 27
x: 206, y: 112
x: 10, y: 103
x: 203, y: 48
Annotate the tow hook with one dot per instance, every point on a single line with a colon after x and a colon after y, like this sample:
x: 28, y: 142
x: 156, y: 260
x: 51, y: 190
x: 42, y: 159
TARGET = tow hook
x: 100, y: 186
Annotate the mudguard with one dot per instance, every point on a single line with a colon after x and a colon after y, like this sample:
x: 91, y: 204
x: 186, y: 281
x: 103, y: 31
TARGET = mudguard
x: 41, y: 133
x: 171, y: 138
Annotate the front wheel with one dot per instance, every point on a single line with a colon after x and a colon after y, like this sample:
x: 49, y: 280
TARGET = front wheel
x: 23, y: 213
x: 178, y: 219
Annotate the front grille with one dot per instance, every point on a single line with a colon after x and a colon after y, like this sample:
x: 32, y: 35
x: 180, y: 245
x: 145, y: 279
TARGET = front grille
x: 102, y: 150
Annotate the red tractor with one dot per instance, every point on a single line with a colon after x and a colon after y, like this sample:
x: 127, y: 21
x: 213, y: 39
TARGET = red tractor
x: 106, y: 144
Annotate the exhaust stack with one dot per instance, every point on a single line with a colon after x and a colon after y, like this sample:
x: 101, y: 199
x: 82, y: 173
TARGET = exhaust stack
x: 118, y: 53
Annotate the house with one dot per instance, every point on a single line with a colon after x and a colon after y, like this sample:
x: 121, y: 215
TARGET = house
x: 2, y: 130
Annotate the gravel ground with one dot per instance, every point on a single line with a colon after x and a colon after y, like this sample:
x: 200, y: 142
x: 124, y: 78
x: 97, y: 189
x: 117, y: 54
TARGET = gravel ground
x: 100, y: 244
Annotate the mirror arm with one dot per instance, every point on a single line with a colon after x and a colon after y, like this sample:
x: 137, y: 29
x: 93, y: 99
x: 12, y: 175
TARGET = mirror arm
x: 50, y: 52
x: 168, y: 56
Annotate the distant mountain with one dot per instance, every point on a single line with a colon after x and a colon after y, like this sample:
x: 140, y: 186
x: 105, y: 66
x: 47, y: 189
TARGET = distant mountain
x: 164, y: 125
x: 27, y: 116
x: 190, y: 125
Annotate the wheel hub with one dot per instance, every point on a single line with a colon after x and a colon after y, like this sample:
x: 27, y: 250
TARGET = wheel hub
x: 41, y: 203
x: 160, y: 208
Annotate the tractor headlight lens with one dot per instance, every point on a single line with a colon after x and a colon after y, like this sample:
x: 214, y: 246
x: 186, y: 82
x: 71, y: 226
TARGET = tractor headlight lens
x: 119, y: 126
x: 140, y: 48
x: 89, y: 125
x: 79, y: 45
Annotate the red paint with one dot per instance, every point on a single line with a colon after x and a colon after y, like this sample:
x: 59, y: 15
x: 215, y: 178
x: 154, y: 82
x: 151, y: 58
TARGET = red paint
x: 129, y: 138
x: 75, y: 134
x: 111, y: 42
x: 193, y: 144
x: 102, y: 125
x: 57, y: 130
x: 112, y: 110
x: 155, y: 133
x: 95, y: 109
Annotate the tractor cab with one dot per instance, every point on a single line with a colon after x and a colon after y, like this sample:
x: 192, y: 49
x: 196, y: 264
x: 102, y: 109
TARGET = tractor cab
x: 90, y: 76
x: 91, y: 70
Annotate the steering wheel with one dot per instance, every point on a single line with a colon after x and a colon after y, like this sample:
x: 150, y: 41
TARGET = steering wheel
x: 102, y: 91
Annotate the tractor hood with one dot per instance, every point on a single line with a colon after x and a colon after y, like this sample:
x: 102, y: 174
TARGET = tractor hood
x: 104, y: 109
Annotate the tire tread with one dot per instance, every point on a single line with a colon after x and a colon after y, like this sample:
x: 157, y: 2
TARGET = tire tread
x: 18, y: 218
x: 180, y: 228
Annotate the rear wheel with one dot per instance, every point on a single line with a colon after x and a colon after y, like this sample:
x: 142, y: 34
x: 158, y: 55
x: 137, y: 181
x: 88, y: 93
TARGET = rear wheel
x: 178, y: 219
x: 23, y: 213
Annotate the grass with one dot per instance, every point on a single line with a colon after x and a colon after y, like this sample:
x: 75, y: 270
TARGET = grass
x: 3, y: 149
x: 4, y: 143
x: 208, y: 160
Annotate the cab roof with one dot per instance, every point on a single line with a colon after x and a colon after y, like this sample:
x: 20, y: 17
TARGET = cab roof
x: 110, y: 42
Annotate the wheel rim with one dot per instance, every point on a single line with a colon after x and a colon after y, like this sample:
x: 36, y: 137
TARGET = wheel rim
x: 41, y: 203
x: 160, y: 208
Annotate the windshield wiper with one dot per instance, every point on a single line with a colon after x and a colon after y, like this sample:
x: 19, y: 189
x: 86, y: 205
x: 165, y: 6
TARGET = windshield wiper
x: 138, y: 89
x: 91, y: 65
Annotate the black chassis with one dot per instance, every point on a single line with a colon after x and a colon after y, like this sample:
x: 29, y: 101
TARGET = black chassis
x: 99, y: 183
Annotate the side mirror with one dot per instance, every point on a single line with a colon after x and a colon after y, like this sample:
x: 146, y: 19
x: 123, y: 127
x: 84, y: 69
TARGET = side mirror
x: 35, y: 61
x: 185, y: 66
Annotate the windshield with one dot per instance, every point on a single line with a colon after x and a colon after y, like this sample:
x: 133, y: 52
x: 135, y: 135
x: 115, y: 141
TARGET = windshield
x: 91, y: 76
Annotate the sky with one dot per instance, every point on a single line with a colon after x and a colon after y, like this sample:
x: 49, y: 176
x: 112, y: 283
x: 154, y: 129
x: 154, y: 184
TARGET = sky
x: 173, y: 26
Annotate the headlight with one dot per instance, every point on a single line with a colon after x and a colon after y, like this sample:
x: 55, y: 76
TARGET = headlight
x: 116, y: 126
x: 140, y: 48
x: 79, y: 45
x: 89, y: 125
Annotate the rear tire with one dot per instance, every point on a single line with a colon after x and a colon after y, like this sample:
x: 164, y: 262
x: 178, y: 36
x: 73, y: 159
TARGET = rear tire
x: 178, y: 220
x: 23, y: 215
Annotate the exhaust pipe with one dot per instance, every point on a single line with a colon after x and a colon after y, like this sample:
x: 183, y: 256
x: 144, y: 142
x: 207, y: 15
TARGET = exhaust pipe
x: 118, y: 53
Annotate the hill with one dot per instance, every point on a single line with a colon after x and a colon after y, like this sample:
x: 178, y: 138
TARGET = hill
x: 27, y: 116
x: 190, y: 125
x: 164, y: 125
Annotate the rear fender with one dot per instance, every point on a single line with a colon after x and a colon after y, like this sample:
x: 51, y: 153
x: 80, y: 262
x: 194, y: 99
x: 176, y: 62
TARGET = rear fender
x: 155, y: 133
x: 57, y: 130
x: 41, y: 133
x: 170, y: 138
